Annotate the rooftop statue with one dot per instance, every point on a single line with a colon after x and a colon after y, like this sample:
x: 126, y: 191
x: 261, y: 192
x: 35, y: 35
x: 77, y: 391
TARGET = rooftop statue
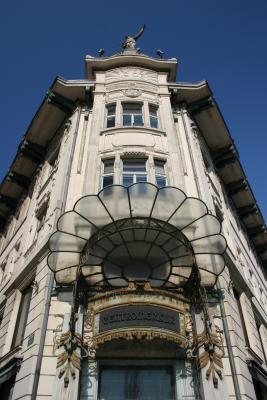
x: 130, y: 41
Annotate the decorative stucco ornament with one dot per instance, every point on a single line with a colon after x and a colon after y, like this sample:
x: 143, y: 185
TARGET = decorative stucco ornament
x: 207, y: 347
x: 132, y: 91
x: 210, y: 344
x: 69, y: 360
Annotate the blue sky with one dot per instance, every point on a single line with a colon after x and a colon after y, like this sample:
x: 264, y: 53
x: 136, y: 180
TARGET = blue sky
x: 224, y: 42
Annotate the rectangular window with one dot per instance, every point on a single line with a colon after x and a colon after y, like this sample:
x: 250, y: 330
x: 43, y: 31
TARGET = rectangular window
x: 108, y: 172
x: 53, y: 159
x: 137, y: 382
x: 241, y: 316
x: 133, y: 171
x: 41, y: 216
x: 161, y: 179
x: 153, y: 116
x: 2, y: 271
x: 110, y: 115
x: 22, y: 317
x: 132, y: 114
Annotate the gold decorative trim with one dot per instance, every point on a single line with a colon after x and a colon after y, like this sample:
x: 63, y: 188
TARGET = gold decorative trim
x: 130, y: 334
x: 69, y: 359
x: 141, y: 294
x: 210, y: 341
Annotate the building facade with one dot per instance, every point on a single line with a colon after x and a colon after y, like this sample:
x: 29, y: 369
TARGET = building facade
x: 133, y: 253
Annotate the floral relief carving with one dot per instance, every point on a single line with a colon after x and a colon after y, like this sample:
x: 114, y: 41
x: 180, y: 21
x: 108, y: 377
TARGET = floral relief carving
x: 143, y: 86
x: 127, y: 73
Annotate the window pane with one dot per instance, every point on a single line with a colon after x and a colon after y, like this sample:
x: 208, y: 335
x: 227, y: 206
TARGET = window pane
x: 153, y: 110
x: 111, y: 109
x: 127, y: 180
x: 108, y: 166
x: 110, y: 122
x: 161, y: 181
x: 134, y: 165
x: 127, y: 120
x: 142, y: 383
x: 107, y: 180
x: 22, y: 317
x: 159, y: 167
x: 154, y: 122
x: 138, y: 120
x: 132, y: 108
x: 141, y: 178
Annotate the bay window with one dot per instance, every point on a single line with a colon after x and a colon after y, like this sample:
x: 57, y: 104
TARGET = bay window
x: 133, y: 171
x: 132, y: 114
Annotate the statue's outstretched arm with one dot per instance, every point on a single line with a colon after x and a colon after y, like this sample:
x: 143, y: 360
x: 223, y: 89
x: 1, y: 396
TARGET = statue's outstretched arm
x: 140, y: 32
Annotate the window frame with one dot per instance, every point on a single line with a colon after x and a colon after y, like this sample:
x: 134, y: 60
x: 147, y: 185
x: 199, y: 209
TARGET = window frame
x: 159, y: 174
x: 103, y: 174
x: 181, y: 363
x: 153, y: 117
x: 143, y: 366
x: 107, y: 116
x: 41, y: 217
x: 132, y: 114
x: 134, y: 173
x: 22, y: 317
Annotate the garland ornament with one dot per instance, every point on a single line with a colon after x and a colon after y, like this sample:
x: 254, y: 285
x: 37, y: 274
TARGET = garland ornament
x: 69, y: 359
x: 207, y: 347
x: 211, y: 356
x: 71, y: 342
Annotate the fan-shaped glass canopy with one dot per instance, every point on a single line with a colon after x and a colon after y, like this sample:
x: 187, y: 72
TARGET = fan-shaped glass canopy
x: 137, y: 233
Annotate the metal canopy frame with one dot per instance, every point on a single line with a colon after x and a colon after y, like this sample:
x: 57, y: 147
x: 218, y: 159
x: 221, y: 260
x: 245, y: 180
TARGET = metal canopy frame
x: 164, y: 236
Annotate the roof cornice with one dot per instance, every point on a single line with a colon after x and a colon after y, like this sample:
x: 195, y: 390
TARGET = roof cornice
x: 93, y: 64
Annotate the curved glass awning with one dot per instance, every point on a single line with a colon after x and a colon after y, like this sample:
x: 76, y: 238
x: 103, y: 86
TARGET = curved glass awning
x: 137, y: 233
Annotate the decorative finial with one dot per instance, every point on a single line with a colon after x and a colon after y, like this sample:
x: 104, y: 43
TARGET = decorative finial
x: 160, y: 53
x: 101, y: 52
x: 130, y: 41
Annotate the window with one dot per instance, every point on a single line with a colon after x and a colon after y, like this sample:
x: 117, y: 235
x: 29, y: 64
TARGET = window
x: 153, y: 116
x: 161, y: 180
x: 263, y: 350
x: 2, y: 271
x: 133, y: 171
x: 22, y: 317
x: 53, y: 159
x: 110, y: 115
x: 219, y: 213
x: 41, y: 216
x: 132, y: 114
x: 108, y: 173
x: 137, y: 382
x: 241, y: 316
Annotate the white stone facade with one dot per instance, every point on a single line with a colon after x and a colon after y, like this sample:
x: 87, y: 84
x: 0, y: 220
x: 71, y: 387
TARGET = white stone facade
x: 193, y: 144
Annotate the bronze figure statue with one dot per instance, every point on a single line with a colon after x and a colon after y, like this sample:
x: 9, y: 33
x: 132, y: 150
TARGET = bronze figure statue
x: 130, y: 41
